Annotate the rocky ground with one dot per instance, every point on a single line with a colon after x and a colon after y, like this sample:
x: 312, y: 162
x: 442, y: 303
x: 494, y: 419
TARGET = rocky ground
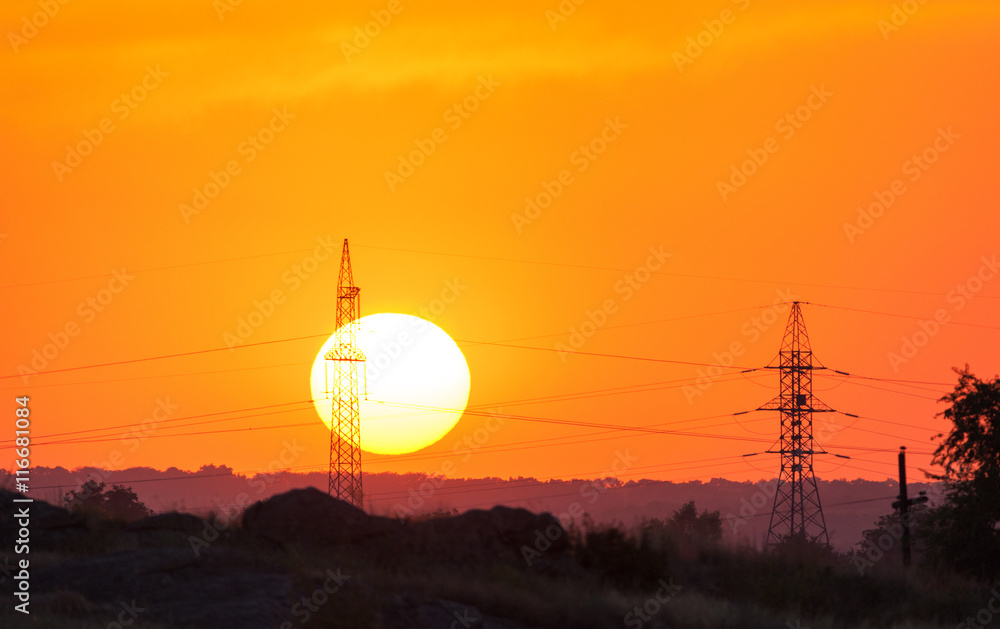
x: 178, y: 570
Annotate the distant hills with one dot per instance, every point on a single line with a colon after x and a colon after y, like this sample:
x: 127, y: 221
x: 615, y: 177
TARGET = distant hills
x: 850, y: 507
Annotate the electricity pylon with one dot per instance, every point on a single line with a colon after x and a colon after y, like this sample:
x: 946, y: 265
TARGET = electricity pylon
x: 345, y: 422
x: 797, y: 510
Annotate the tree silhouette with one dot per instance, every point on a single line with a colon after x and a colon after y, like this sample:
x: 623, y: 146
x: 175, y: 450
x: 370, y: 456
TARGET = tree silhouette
x: 963, y: 532
x: 118, y: 502
x: 883, y: 542
x: 687, y: 522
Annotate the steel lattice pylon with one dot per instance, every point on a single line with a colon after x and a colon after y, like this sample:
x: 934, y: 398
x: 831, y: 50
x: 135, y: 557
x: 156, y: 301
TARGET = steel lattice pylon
x: 797, y: 511
x: 345, y: 422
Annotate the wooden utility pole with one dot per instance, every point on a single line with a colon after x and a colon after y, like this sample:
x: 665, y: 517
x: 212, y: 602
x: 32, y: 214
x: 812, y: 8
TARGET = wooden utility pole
x: 903, y: 505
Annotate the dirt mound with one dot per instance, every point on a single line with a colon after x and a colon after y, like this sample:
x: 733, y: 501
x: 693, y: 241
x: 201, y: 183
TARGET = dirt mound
x: 312, y: 518
x: 309, y: 516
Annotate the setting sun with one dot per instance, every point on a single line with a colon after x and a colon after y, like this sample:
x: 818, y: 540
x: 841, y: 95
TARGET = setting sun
x: 417, y: 383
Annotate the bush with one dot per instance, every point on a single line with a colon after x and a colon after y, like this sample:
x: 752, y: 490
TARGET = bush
x: 117, y: 502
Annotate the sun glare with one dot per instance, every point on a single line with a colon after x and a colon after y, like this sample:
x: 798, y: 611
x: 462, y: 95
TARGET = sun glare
x: 416, y: 378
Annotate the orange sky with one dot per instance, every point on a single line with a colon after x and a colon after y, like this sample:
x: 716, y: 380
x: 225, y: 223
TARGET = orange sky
x: 304, y: 123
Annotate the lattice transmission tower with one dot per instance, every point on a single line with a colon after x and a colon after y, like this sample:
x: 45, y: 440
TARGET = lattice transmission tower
x: 797, y: 510
x: 345, y: 422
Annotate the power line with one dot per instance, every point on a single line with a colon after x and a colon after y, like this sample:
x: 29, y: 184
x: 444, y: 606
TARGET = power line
x: 169, y: 375
x: 504, y: 342
x: 899, y: 381
x: 643, y: 358
x: 651, y: 428
x: 154, y: 269
x: 469, y: 410
x: 903, y: 316
x: 886, y: 421
x: 831, y: 506
x: 570, y: 440
x: 169, y: 419
x: 471, y: 342
x: 610, y: 428
x: 629, y: 325
x: 325, y: 335
x: 164, y: 356
x: 664, y: 273
x: 906, y: 393
x: 494, y: 259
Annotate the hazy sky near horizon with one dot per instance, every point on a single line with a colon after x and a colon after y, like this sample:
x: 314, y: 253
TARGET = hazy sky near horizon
x: 655, y: 176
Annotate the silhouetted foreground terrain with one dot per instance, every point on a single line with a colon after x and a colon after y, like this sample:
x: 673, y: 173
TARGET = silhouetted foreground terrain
x: 303, y: 559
